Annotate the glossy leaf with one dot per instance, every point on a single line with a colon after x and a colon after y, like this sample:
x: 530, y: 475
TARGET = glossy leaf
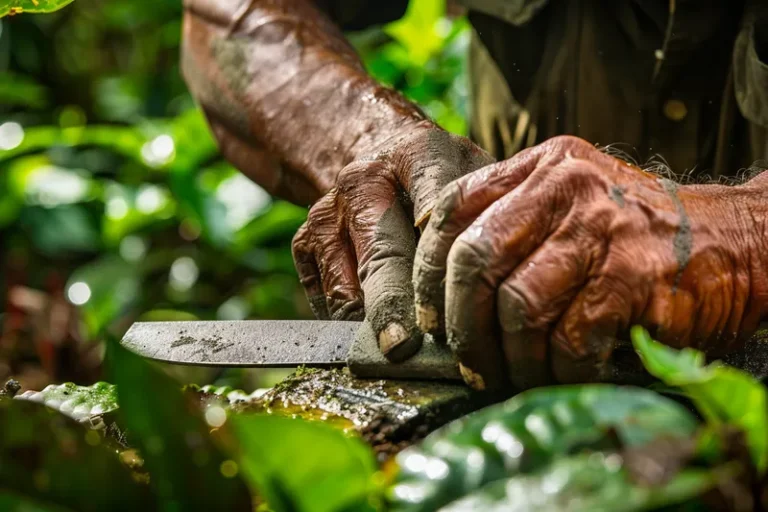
x: 50, y: 458
x: 37, y: 6
x: 584, y: 483
x: 528, y: 432
x: 723, y: 394
x: 298, y: 466
x: 188, y: 471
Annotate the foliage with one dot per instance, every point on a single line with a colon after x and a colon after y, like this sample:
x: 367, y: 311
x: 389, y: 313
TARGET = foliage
x: 527, y: 434
x: 723, y: 394
x: 167, y: 431
x: 583, y: 482
x: 331, y: 472
x: 591, y: 447
x: 20, y: 6
x: 49, y: 458
x: 425, y: 59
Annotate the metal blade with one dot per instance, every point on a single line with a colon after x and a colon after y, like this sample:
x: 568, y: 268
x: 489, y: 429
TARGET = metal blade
x: 267, y: 343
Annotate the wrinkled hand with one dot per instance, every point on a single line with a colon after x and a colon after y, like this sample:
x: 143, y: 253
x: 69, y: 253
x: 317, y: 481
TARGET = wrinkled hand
x: 535, y: 265
x: 355, y: 252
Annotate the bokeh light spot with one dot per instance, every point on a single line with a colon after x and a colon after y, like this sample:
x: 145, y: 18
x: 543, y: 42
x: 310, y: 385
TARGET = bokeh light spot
x: 184, y: 274
x: 158, y: 151
x: 11, y: 135
x: 79, y: 293
x: 215, y: 416
x: 229, y: 468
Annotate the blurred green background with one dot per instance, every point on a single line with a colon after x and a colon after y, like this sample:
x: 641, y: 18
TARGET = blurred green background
x: 114, y: 202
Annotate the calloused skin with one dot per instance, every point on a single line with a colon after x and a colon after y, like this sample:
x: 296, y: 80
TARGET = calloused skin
x: 292, y: 107
x: 531, y: 266
x: 548, y: 257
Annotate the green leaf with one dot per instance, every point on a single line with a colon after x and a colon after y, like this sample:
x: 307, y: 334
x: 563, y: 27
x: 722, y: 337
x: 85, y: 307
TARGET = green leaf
x: 19, y: 6
x: 63, y: 229
x: 187, y: 470
x: 20, y: 90
x: 123, y: 140
x: 300, y: 466
x: 527, y: 433
x: 49, y: 457
x: 418, y: 30
x: 583, y: 483
x: 723, y: 394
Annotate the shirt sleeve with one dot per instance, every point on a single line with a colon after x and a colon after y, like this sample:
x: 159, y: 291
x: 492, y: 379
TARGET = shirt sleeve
x: 750, y: 63
x: 360, y: 14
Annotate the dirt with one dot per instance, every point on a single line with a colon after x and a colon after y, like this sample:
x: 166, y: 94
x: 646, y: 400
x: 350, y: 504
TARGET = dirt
x: 683, y: 242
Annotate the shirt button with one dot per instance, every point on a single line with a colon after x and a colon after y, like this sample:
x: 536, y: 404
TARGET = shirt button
x: 675, y: 110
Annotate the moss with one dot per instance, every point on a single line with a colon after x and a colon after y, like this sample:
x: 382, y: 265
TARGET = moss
x: 79, y: 402
x: 389, y: 415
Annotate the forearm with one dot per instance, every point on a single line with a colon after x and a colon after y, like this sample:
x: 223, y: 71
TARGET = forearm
x: 286, y: 79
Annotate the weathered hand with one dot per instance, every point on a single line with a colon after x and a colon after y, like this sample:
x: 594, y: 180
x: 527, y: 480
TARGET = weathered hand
x: 535, y: 265
x: 357, y: 246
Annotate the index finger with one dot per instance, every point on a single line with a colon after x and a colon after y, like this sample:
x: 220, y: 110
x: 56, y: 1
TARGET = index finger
x: 384, y: 242
x: 460, y: 203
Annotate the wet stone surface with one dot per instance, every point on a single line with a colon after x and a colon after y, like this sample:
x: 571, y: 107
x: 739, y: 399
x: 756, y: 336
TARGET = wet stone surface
x: 389, y: 415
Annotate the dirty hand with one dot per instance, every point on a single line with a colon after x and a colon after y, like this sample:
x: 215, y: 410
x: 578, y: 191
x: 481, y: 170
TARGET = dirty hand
x: 355, y: 252
x: 535, y: 265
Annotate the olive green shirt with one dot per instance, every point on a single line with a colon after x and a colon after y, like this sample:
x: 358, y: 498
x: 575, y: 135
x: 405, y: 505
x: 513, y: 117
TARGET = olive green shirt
x: 682, y: 81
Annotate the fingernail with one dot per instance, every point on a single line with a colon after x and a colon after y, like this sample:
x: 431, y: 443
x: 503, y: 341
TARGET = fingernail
x: 422, y: 221
x: 426, y: 317
x: 392, y: 337
x: 474, y: 380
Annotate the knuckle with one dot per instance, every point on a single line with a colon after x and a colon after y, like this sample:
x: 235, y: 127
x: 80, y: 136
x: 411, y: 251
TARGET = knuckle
x: 300, y: 241
x: 432, y: 250
x: 514, y: 310
x: 323, y: 211
x: 568, y: 142
x: 357, y: 175
x: 467, y: 256
x: 348, y: 175
x: 445, y: 205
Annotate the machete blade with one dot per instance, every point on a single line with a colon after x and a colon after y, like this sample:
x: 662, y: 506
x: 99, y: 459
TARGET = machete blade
x: 256, y: 343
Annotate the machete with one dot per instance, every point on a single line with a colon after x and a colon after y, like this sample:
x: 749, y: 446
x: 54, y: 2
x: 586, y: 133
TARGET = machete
x: 285, y: 343
x: 316, y: 343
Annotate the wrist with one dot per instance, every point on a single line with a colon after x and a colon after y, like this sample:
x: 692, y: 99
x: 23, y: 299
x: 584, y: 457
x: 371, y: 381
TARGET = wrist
x: 740, y: 216
x: 384, y: 120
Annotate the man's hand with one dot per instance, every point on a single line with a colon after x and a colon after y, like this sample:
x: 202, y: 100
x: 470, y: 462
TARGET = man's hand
x: 291, y: 106
x: 535, y: 265
x: 358, y: 244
